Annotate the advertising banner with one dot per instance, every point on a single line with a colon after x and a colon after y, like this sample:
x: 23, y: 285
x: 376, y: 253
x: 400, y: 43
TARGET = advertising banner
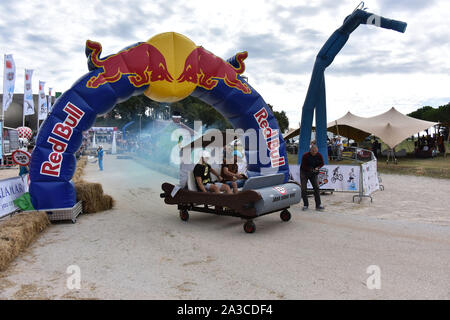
x: 10, y: 189
x: 9, y: 80
x: 42, y: 110
x: 49, y: 104
x: 28, y: 103
x: 333, y: 177
x: 370, y: 177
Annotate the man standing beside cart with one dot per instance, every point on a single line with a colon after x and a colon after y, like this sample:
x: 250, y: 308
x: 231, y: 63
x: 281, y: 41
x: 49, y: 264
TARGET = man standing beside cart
x: 312, y: 161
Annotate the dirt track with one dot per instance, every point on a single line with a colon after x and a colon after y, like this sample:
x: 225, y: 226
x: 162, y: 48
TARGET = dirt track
x: 142, y: 250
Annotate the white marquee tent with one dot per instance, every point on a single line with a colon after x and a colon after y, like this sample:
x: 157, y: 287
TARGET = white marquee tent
x: 392, y: 127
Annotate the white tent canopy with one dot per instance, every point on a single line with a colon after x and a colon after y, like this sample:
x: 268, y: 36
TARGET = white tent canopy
x: 392, y: 127
x: 349, y: 126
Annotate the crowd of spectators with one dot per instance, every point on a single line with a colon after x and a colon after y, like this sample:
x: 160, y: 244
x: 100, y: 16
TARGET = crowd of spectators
x: 429, y: 145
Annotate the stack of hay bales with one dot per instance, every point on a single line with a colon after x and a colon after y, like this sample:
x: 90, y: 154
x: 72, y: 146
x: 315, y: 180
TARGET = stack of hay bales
x: 92, y: 197
x: 17, y: 233
x: 91, y: 194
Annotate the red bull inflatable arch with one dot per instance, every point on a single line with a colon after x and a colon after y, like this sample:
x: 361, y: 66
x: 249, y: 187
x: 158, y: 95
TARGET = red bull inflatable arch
x: 166, y: 68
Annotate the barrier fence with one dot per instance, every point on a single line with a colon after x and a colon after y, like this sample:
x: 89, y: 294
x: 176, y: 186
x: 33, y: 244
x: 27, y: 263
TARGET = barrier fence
x: 360, y: 178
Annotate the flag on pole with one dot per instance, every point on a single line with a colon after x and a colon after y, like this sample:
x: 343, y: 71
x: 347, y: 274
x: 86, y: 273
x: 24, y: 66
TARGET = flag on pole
x: 49, y: 105
x: 9, y: 79
x: 42, y: 101
x: 28, y: 103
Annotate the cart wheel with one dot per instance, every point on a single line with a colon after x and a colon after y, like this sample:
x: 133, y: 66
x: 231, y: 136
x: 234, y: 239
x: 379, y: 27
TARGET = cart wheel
x: 285, y: 215
x: 184, y: 215
x: 249, y: 227
x: 74, y: 220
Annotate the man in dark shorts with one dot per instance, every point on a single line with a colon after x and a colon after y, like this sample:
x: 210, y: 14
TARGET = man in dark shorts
x: 202, y: 174
x: 230, y: 174
x: 312, y: 161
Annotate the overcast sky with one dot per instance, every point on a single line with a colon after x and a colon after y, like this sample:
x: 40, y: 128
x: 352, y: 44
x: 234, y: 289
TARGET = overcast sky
x: 376, y: 70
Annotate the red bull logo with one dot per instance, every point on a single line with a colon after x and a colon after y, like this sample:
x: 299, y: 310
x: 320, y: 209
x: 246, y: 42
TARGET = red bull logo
x: 271, y: 137
x: 280, y: 189
x: 145, y: 64
x: 142, y: 64
x: 63, y: 131
x: 204, y: 69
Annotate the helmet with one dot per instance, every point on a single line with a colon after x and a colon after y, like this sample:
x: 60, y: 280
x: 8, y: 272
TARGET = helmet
x: 205, y: 154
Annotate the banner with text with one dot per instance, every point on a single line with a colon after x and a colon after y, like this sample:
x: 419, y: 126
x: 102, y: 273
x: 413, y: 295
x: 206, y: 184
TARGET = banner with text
x: 11, y: 189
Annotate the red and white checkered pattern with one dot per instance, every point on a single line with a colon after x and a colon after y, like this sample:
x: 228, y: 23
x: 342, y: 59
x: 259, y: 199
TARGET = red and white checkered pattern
x: 25, y: 132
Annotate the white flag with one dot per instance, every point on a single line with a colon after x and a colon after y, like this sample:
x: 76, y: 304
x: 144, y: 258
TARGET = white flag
x: 9, y: 79
x: 28, y: 103
x: 49, y: 106
x: 42, y: 101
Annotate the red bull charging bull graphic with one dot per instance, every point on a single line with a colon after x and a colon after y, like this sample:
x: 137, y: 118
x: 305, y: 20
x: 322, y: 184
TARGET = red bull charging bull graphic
x: 129, y: 62
x: 205, y: 69
x: 164, y: 74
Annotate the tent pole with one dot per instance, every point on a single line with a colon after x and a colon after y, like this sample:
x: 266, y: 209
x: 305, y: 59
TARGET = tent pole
x: 448, y: 140
x: 337, y: 128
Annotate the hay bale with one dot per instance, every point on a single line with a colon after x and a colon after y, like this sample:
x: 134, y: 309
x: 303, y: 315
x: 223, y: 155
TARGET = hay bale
x: 18, y: 232
x: 91, y: 194
x: 92, y: 197
x: 79, y: 171
x: 106, y: 203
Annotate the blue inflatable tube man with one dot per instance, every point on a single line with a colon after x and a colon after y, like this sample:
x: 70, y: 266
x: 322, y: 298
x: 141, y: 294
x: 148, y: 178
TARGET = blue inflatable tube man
x: 315, y: 97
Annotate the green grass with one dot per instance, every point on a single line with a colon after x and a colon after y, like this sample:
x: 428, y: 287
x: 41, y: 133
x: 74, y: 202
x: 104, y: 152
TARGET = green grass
x: 438, y: 167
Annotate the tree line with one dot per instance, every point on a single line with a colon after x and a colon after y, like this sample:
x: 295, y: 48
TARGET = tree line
x: 440, y: 114
x: 191, y: 109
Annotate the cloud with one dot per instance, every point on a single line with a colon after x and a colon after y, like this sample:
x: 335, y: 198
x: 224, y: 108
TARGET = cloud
x: 282, y: 38
x: 39, y: 38
x: 405, y: 5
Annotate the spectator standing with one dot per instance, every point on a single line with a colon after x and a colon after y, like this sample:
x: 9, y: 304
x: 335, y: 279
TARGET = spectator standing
x: 312, y: 161
x: 100, y: 157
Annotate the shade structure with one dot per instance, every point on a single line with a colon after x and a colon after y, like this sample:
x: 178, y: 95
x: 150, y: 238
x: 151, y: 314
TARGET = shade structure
x: 392, y: 127
x: 349, y: 126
